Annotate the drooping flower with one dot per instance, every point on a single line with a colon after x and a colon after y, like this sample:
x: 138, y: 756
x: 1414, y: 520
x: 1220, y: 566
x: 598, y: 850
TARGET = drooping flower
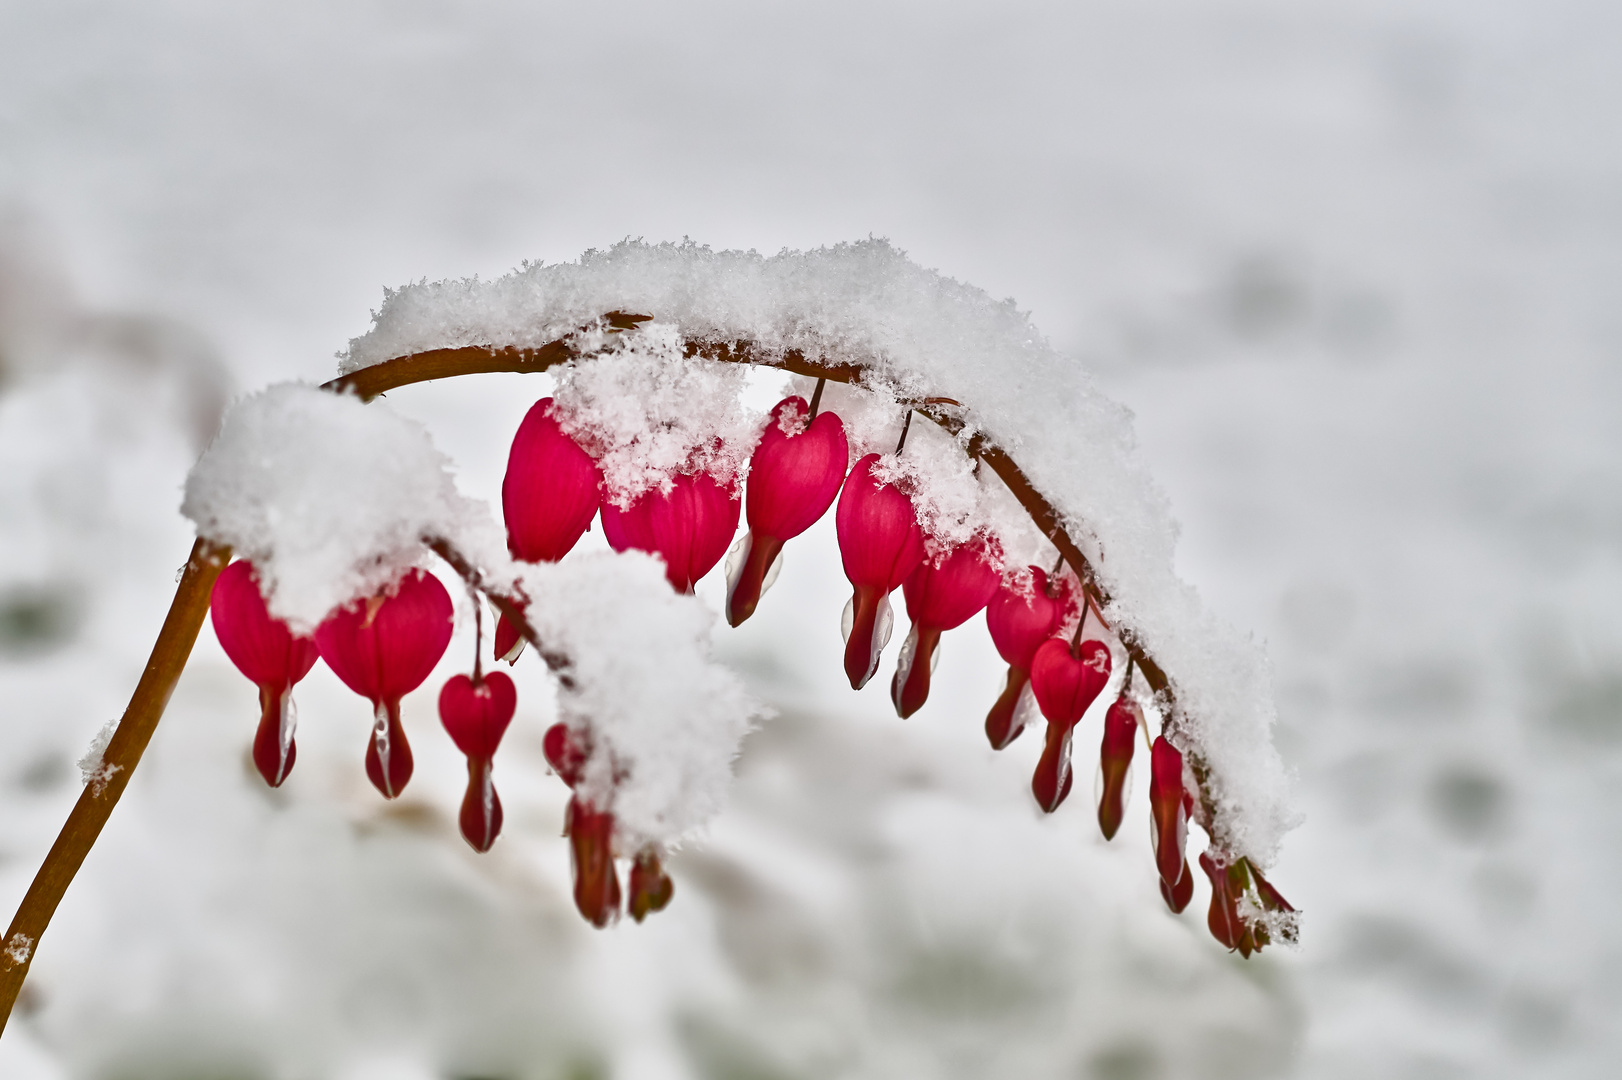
x: 793, y: 477
x: 383, y: 648
x: 566, y: 751
x: 1019, y: 621
x: 549, y: 495
x: 688, y: 526
x: 1066, y: 678
x: 591, y: 848
x: 942, y: 593
x: 1244, y: 904
x: 551, y: 490
x: 1169, y: 806
x: 591, y: 836
x: 268, y: 653
x: 880, y: 543
x: 1121, y: 725
x: 651, y: 887
x: 476, y: 715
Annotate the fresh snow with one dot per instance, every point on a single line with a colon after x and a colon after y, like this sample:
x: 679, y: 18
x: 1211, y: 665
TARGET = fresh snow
x: 921, y: 335
x: 331, y: 500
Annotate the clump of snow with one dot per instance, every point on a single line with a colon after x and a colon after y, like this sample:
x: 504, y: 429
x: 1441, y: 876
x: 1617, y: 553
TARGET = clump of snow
x: 328, y: 496
x: 646, y: 414
x: 94, y: 772
x: 332, y: 499
x: 665, y: 721
x: 921, y: 334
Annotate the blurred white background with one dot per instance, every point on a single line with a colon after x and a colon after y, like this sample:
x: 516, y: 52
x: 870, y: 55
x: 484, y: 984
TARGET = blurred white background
x: 1357, y: 267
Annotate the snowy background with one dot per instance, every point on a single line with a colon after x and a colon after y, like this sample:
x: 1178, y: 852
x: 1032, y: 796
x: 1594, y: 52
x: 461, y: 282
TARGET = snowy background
x: 1356, y: 267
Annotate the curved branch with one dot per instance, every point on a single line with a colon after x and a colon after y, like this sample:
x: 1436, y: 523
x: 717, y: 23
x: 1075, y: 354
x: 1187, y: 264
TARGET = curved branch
x: 406, y: 370
x: 474, y: 359
x: 104, y: 787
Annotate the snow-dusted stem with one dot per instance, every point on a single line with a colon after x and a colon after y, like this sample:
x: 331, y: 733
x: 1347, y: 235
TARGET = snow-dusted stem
x: 118, y: 761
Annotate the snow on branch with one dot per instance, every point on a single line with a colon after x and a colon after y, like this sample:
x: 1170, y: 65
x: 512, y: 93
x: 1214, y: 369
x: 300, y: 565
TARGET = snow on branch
x: 917, y: 335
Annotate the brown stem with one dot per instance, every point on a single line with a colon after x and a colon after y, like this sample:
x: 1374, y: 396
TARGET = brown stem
x: 123, y: 753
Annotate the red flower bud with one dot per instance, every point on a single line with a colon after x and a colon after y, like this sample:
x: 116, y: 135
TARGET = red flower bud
x: 1115, y: 762
x: 689, y: 526
x: 383, y: 648
x: 941, y: 595
x: 651, y: 887
x: 880, y: 543
x: 1065, y: 684
x: 566, y: 751
x: 1169, y: 804
x: 476, y: 716
x: 793, y: 477
x: 550, y: 492
x: 591, y: 847
x: 267, y: 652
x: 1019, y: 621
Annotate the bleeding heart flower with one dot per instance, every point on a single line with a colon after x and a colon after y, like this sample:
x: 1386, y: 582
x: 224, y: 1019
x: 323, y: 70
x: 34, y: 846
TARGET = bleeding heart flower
x: 383, y: 648
x: 1020, y: 619
x: 689, y: 526
x: 591, y: 846
x: 550, y: 493
x: 942, y: 593
x: 476, y: 715
x: 1229, y: 882
x: 1065, y: 684
x: 1169, y: 806
x: 793, y: 477
x: 651, y: 887
x: 566, y: 751
x: 270, y: 654
x: 880, y: 543
x: 1121, y: 724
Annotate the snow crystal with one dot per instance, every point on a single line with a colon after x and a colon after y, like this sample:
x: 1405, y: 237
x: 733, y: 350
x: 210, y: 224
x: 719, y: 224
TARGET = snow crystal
x: 665, y: 720
x: 93, y: 770
x: 645, y: 414
x: 329, y: 497
x: 921, y: 334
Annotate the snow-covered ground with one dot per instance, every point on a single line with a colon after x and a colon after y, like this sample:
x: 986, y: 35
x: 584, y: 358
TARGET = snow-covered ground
x: 1354, y: 266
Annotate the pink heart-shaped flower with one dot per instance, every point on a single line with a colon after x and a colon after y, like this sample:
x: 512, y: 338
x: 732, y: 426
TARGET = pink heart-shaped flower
x: 690, y: 526
x: 265, y: 650
x: 551, y: 490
